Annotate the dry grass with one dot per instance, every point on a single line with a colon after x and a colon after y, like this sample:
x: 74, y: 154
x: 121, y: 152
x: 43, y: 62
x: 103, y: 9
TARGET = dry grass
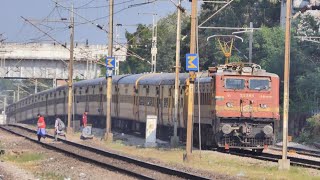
x: 219, y: 163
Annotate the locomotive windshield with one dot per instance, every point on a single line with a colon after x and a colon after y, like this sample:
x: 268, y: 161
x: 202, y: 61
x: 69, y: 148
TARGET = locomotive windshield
x: 235, y: 83
x: 259, y: 84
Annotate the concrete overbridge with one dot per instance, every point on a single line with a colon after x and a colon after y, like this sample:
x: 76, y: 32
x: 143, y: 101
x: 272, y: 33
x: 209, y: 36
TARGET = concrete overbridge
x: 50, y: 61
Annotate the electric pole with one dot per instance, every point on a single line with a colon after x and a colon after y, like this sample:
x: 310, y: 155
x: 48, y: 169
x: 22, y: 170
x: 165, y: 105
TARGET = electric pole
x: 250, y: 42
x: 4, y: 109
x: 154, y: 45
x: 284, y: 163
x: 175, y: 138
x: 191, y: 80
x: 70, y: 78
x: 18, y: 95
x: 36, y: 86
x: 109, y: 135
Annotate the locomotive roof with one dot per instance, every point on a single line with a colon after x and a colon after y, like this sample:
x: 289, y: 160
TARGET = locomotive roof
x: 255, y: 74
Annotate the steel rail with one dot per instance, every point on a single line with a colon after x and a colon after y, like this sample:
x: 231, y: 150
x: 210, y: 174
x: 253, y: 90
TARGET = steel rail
x: 147, y: 165
x: 300, y: 151
x: 274, y: 158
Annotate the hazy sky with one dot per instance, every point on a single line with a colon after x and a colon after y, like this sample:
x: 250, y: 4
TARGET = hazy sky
x: 40, y: 12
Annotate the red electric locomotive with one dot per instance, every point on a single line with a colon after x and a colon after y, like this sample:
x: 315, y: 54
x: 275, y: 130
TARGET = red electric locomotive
x: 245, y: 106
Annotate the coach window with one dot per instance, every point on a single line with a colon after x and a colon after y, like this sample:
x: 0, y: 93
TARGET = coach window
x: 234, y: 83
x: 259, y: 84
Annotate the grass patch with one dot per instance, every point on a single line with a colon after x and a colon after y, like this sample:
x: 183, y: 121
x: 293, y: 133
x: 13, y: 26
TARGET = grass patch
x: 50, y: 175
x: 24, y: 157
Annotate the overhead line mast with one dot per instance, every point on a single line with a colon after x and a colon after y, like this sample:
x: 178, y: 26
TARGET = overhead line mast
x: 109, y: 135
x: 70, y: 78
x: 191, y: 80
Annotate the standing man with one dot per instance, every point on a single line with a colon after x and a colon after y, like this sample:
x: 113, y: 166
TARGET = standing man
x: 84, y: 119
x: 41, y: 127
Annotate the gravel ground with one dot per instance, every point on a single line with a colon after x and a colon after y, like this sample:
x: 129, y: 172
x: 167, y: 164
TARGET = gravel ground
x: 53, y: 165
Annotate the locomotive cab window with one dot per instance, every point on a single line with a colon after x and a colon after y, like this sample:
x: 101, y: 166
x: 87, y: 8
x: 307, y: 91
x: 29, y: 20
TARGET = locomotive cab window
x: 259, y: 84
x: 234, y: 83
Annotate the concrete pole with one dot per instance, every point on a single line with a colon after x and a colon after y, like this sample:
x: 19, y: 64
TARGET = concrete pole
x: 250, y: 42
x: 116, y: 71
x: 36, y: 86
x: 87, y: 69
x: 18, y: 95
x: 175, y: 138
x: 70, y: 78
x: 284, y: 163
x: 283, y: 13
x: 109, y: 135
x: 4, y: 109
x: 14, y: 96
x: 154, y: 45
x: 192, y: 77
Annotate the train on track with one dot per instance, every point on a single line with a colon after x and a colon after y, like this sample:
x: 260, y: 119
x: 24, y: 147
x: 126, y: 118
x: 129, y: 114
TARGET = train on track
x: 239, y: 104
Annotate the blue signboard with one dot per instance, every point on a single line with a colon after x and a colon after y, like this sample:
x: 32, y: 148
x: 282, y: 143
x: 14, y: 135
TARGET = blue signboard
x: 192, y: 62
x: 110, y: 62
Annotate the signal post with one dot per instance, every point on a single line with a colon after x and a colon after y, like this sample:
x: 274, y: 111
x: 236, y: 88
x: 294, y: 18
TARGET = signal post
x: 110, y: 65
x: 192, y: 66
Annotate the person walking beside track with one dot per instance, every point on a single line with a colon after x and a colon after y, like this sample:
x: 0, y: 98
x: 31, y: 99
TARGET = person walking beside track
x: 84, y: 119
x: 59, y: 127
x: 41, y: 132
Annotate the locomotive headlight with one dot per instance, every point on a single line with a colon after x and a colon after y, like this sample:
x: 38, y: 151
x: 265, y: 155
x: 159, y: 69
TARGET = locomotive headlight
x: 268, y: 130
x: 226, y: 129
x: 229, y: 104
x: 263, y: 106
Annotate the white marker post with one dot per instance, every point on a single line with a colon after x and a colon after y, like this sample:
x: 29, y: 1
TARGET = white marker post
x: 151, y: 131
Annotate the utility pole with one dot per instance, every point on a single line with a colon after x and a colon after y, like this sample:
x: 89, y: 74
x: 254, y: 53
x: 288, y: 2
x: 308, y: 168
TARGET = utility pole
x: 36, y: 86
x: 18, y: 95
x: 283, y: 13
x: 4, y: 109
x: 154, y: 45
x: 250, y: 42
x: 109, y: 135
x: 14, y: 96
x: 116, y: 72
x: 70, y: 78
x: 175, y: 138
x: 284, y: 163
x: 192, y: 77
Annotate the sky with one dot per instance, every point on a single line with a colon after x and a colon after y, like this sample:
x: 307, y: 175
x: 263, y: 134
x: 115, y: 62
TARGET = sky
x: 44, y: 14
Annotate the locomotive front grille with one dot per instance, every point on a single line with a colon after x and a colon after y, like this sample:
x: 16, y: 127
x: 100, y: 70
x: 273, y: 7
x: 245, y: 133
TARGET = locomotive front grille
x: 250, y: 142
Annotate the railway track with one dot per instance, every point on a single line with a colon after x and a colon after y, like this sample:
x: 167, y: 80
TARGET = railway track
x: 274, y: 158
x: 122, y: 164
x: 299, y: 151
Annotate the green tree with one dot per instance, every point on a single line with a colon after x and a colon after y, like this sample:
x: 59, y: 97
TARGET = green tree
x: 138, y: 54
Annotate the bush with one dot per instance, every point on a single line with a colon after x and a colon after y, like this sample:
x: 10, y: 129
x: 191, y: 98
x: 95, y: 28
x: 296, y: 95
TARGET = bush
x: 311, y: 132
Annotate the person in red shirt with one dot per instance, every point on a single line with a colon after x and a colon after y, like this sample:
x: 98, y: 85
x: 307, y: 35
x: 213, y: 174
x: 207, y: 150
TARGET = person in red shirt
x: 41, y: 127
x: 84, y: 119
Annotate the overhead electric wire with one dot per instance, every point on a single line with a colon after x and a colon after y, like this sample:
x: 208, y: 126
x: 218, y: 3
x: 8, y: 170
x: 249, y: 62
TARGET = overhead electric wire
x: 104, y: 6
